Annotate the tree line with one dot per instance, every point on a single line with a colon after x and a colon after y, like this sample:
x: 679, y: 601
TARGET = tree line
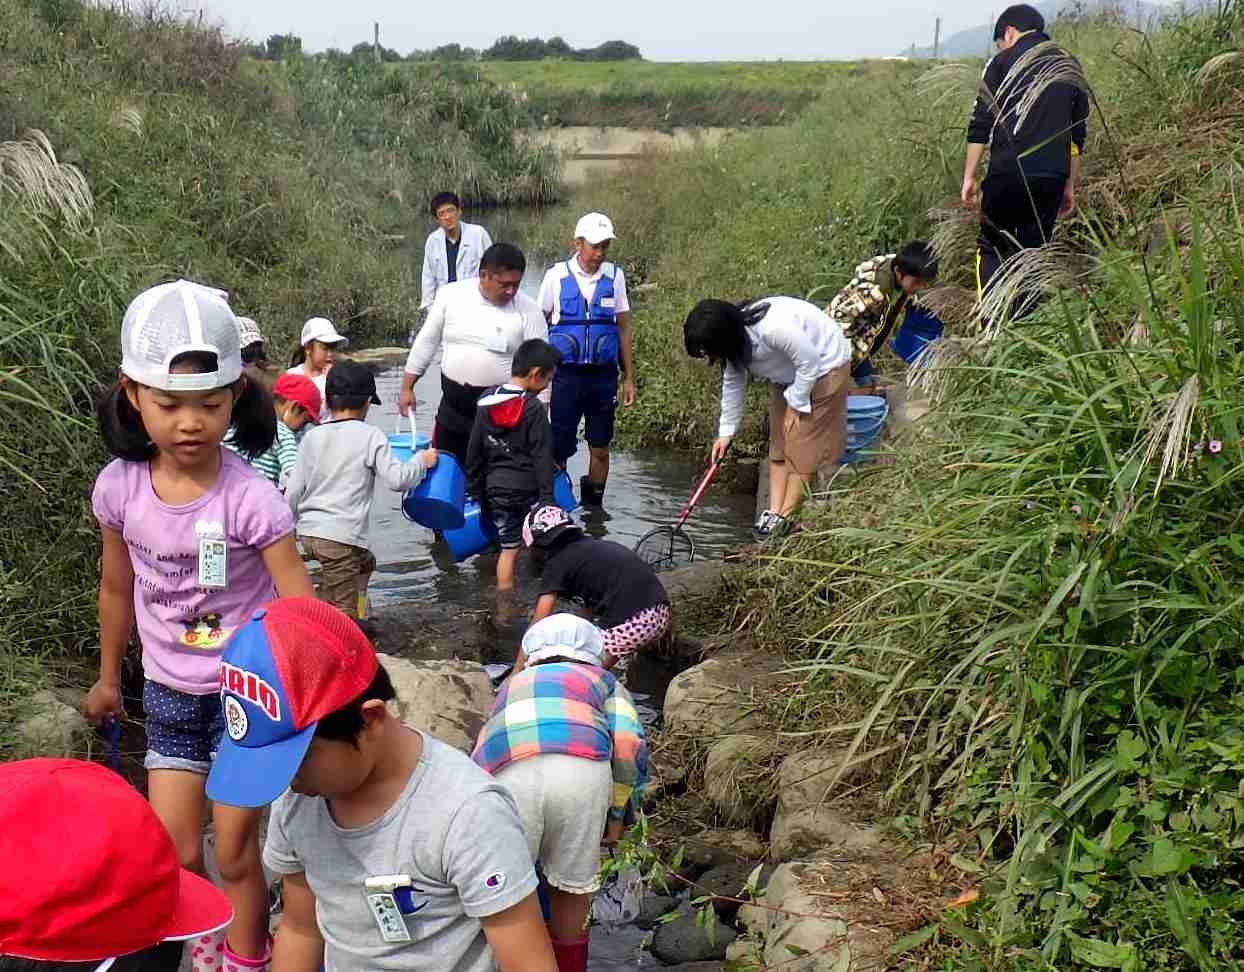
x: 281, y: 47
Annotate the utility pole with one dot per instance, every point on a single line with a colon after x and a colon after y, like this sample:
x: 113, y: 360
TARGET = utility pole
x: 376, y: 43
x: 937, y: 38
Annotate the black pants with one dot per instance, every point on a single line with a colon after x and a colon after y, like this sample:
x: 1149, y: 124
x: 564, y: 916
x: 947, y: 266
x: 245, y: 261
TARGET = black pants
x: 1014, y: 217
x: 455, y: 418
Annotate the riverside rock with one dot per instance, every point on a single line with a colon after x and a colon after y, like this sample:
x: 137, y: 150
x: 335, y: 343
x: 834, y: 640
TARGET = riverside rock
x: 726, y: 883
x: 53, y: 727
x: 708, y: 700
x: 735, y: 776
x: 447, y: 699
x: 681, y: 941
x: 803, y: 824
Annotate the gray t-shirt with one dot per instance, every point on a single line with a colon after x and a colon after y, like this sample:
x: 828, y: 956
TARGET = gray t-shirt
x: 454, y: 830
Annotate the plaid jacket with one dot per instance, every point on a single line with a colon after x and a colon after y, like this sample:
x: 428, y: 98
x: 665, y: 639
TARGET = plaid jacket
x: 573, y: 709
x: 868, y: 308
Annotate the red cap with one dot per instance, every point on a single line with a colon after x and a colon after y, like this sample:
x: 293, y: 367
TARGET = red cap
x: 90, y: 873
x: 301, y: 390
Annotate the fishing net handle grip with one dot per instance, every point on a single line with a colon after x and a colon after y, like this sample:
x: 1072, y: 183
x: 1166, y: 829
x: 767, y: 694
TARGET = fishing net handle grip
x: 705, y: 483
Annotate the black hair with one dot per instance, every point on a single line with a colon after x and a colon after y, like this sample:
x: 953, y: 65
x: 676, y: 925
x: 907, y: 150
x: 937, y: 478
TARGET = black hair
x: 716, y: 329
x: 444, y: 199
x: 1022, y: 17
x: 349, y: 402
x: 346, y: 723
x: 535, y: 353
x: 503, y: 256
x: 154, y: 959
x: 917, y: 259
x: 253, y: 419
x: 254, y: 353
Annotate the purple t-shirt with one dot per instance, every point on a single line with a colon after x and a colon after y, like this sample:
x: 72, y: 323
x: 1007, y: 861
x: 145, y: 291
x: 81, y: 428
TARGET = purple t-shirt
x: 183, y: 627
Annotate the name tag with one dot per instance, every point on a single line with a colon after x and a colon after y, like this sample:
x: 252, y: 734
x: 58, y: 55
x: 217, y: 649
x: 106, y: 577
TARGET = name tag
x: 213, y: 562
x: 608, y: 303
x: 388, y: 917
x: 497, y: 342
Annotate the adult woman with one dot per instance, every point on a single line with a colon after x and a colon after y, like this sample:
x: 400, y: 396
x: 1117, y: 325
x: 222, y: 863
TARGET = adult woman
x: 317, y: 350
x: 804, y: 354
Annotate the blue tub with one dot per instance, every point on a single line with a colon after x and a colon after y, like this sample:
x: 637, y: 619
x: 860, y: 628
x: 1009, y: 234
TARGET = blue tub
x: 563, y: 492
x: 437, y: 502
x: 399, y: 445
x: 477, y: 534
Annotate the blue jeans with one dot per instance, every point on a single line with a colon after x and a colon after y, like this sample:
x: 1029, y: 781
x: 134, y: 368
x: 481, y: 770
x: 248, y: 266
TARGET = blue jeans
x: 582, y: 393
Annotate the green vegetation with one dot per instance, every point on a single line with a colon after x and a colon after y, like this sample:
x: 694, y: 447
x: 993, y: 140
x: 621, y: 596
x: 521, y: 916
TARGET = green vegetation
x: 1029, y: 624
x: 643, y: 94
x: 299, y: 187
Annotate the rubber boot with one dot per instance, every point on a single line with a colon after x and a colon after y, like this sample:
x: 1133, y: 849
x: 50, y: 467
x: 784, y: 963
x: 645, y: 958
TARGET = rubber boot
x: 571, y: 955
x: 590, y: 493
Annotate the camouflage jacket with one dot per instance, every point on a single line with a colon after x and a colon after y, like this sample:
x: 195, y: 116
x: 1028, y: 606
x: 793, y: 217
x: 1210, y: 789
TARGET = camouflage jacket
x: 868, y: 308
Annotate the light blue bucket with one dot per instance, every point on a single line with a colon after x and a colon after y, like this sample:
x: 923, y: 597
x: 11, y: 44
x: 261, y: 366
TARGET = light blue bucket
x: 437, y: 502
x: 478, y: 534
x: 399, y: 445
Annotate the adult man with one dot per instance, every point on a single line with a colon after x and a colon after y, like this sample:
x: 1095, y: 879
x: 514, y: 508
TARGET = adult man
x: 453, y: 249
x: 584, y: 300
x: 1034, y: 158
x: 480, y: 324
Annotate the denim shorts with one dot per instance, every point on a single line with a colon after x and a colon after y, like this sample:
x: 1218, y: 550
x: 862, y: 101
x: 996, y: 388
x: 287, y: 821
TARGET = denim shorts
x: 509, y: 525
x: 183, y: 730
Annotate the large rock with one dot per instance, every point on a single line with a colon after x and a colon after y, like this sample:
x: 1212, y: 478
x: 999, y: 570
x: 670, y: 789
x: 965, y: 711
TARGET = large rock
x: 53, y: 727
x: 708, y: 700
x: 683, y: 941
x: 446, y: 699
x: 653, y: 908
x: 726, y: 883
x: 714, y: 847
x: 803, y: 824
x: 736, y: 776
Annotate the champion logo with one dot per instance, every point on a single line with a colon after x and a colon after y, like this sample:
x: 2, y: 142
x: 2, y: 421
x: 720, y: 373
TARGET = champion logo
x: 252, y: 688
x: 495, y: 881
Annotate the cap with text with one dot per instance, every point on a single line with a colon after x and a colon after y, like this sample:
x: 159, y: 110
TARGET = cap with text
x: 594, y: 228
x: 90, y: 873
x: 295, y: 662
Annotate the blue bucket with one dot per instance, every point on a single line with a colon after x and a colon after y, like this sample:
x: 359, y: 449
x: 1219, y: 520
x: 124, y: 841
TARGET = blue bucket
x: 437, y: 502
x: 476, y: 534
x: 563, y: 492
x: 399, y: 445
x: 920, y: 327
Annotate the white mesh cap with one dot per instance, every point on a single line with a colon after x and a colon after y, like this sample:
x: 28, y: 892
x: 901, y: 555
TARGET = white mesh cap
x: 175, y: 318
x: 564, y: 636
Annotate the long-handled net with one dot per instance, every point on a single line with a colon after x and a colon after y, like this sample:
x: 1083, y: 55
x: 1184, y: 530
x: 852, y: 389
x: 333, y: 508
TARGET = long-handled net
x: 671, y: 546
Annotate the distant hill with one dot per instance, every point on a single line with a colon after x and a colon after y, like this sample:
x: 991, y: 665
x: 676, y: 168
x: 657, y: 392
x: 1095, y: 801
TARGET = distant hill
x: 978, y: 41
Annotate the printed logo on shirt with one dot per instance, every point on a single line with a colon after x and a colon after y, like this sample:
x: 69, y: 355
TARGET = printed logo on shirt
x: 204, y: 632
x: 495, y: 881
x: 236, y: 722
x: 252, y: 688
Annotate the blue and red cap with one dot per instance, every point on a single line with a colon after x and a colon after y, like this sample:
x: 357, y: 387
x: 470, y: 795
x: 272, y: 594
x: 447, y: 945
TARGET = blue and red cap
x: 297, y: 661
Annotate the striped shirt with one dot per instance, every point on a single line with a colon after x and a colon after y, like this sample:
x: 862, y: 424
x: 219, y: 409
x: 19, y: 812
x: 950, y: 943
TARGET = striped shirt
x: 278, y: 462
x: 573, y: 709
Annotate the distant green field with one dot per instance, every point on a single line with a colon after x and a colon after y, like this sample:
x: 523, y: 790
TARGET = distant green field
x: 651, y: 94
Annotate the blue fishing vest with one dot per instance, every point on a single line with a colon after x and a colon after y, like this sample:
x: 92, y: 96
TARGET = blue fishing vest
x: 587, y: 334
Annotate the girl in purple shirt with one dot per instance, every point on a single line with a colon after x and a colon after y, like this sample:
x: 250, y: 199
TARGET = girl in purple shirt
x: 194, y: 540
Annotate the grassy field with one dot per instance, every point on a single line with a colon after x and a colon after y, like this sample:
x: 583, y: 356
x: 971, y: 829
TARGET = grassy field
x: 657, y: 95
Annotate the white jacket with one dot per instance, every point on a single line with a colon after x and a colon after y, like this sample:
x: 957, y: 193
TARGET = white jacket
x: 471, y: 246
x: 793, y: 345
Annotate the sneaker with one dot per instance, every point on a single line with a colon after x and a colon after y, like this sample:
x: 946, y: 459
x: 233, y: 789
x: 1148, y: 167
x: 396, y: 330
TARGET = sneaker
x: 763, y: 525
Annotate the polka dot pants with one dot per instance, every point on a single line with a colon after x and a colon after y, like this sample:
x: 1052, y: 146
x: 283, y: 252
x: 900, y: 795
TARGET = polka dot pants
x: 641, y: 629
x: 183, y: 730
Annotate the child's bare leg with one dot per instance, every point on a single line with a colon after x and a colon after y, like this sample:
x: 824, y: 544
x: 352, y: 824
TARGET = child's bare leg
x: 242, y: 878
x: 507, y: 564
x: 178, y: 799
x: 568, y: 914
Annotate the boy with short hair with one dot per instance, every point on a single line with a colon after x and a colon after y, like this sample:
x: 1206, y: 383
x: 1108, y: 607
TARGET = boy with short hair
x: 92, y: 875
x: 510, y: 456
x: 397, y: 851
x: 334, y: 480
x: 296, y: 401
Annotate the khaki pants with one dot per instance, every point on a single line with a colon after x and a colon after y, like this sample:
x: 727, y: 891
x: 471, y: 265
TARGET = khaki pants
x: 822, y: 435
x: 344, y: 573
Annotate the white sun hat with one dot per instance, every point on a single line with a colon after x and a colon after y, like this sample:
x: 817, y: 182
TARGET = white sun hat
x: 595, y: 228
x: 321, y: 329
x: 173, y: 319
x: 564, y: 636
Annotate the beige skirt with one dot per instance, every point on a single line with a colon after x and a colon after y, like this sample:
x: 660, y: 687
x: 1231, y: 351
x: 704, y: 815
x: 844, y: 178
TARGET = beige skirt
x: 821, y: 435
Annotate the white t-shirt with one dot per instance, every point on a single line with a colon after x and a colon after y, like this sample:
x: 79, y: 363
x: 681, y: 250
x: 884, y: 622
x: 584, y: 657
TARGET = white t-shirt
x: 321, y: 382
x: 479, y: 338
x: 794, y: 344
x: 454, y: 830
x: 551, y: 287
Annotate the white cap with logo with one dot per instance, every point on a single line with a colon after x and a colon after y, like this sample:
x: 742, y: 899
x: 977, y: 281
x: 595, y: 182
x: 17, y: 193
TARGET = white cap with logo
x: 177, y: 318
x: 595, y: 228
x: 321, y: 329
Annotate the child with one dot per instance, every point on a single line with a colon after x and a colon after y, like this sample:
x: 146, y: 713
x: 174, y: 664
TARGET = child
x: 193, y: 542
x: 510, y: 457
x: 333, y: 483
x: 620, y: 590
x: 565, y: 740
x: 93, y: 875
x: 397, y: 852
x: 317, y: 350
x: 296, y: 401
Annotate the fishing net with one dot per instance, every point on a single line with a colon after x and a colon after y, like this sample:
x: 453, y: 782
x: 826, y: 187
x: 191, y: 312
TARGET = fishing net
x: 666, y: 547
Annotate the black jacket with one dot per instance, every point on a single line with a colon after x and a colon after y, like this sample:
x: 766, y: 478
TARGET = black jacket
x: 510, y: 458
x: 1043, y: 146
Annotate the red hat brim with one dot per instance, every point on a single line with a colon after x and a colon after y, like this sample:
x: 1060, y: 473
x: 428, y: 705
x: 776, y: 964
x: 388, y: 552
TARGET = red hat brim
x: 201, y: 909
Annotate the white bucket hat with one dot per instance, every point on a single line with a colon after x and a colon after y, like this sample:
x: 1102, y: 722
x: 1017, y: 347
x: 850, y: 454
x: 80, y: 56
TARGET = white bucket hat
x: 595, y: 228
x: 173, y: 319
x: 321, y: 329
x: 564, y: 636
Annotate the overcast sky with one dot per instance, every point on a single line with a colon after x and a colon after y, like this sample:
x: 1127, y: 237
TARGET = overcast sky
x: 664, y: 30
